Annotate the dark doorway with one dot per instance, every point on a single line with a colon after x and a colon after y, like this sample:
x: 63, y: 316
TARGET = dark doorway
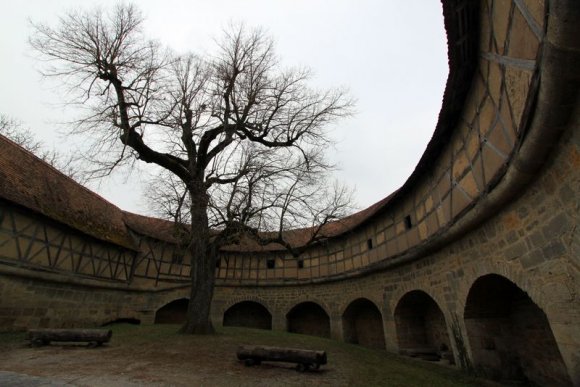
x: 510, y: 336
x: 309, y: 318
x: 421, y: 328
x: 248, y: 314
x: 172, y: 313
x: 363, y: 324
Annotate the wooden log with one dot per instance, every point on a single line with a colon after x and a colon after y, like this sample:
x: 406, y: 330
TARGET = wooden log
x: 304, y: 358
x: 45, y: 336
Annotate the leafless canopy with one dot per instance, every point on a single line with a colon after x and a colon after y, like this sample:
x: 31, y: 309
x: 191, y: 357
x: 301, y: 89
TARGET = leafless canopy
x: 236, y: 135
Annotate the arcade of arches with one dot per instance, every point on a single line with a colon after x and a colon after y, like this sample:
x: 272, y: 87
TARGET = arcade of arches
x: 473, y: 261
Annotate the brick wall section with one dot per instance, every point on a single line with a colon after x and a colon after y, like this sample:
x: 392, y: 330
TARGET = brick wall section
x: 27, y: 303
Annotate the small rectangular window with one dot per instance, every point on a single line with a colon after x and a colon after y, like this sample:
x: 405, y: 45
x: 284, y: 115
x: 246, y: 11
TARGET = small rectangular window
x: 271, y: 263
x: 408, y: 223
x: 301, y: 264
x: 370, y: 244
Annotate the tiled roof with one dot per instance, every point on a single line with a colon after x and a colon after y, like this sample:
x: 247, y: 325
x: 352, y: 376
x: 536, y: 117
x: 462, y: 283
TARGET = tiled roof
x: 165, y: 230
x: 30, y: 182
x: 161, y: 229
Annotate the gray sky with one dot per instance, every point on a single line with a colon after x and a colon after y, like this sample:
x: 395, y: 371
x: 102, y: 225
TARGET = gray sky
x: 391, y: 54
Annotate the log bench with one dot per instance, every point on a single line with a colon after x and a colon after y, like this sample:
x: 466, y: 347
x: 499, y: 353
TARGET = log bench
x: 94, y: 337
x: 304, y: 359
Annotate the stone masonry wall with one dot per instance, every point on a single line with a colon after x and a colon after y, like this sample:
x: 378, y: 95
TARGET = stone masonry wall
x: 32, y: 302
x: 533, y: 242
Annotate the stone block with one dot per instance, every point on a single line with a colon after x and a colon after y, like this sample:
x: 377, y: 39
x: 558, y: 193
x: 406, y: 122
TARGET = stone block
x: 516, y: 250
x: 556, y: 226
x: 532, y: 259
x: 555, y: 249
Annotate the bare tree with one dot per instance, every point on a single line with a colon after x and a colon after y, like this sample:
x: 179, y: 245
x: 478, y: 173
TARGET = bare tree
x: 13, y: 129
x: 67, y: 164
x: 240, y: 140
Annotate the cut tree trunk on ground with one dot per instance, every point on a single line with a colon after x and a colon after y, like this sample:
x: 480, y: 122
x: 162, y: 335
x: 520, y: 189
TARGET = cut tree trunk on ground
x: 305, y: 359
x: 94, y: 337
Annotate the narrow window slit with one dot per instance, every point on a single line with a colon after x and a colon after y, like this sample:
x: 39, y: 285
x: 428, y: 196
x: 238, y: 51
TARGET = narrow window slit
x: 370, y: 243
x: 408, y: 223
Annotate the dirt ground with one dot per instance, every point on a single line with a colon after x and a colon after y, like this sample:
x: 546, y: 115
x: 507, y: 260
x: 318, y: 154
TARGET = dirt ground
x: 148, y: 356
x: 178, y: 365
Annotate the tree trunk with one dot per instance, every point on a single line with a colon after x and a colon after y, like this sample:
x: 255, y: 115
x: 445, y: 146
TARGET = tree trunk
x: 202, y: 268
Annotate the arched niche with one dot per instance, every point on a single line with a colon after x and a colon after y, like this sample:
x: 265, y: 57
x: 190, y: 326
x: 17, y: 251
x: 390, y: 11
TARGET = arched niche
x: 123, y: 320
x: 248, y: 314
x: 173, y: 312
x: 309, y: 318
x: 421, y: 327
x: 510, y: 336
x: 362, y: 324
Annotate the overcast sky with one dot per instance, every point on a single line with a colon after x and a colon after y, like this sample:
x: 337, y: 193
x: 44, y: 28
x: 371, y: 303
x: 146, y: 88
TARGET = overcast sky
x: 391, y: 54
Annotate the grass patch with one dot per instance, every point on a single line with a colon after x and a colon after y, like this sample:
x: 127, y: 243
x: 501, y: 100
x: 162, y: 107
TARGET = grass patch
x: 163, y: 353
x: 361, y: 366
x: 11, y: 338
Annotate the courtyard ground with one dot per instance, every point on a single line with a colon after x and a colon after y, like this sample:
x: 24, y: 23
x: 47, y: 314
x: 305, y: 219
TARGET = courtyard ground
x: 156, y: 355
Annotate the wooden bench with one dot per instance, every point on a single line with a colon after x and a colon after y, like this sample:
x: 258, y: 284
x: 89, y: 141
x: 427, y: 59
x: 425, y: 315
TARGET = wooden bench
x: 304, y: 359
x: 94, y: 337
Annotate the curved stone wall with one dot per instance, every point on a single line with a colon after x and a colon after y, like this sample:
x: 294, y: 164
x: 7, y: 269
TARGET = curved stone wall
x: 493, y: 201
x: 472, y: 149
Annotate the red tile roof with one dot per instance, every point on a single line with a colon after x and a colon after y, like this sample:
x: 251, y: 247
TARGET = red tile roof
x: 165, y: 230
x: 30, y: 182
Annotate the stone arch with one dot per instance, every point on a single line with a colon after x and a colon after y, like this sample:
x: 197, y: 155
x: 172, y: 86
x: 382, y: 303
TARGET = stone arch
x: 509, y: 334
x: 362, y: 323
x: 533, y: 283
x: 173, y: 312
x: 249, y: 314
x: 236, y: 300
x: 309, y: 318
x: 421, y: 327
x: 122, y: 320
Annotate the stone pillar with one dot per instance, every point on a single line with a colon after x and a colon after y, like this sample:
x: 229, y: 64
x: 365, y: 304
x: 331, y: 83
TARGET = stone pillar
x: 390, y: 329
x: 147, y: 317
x: 336, y: 330
x: 279, y: 322
x: 389, y: 326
